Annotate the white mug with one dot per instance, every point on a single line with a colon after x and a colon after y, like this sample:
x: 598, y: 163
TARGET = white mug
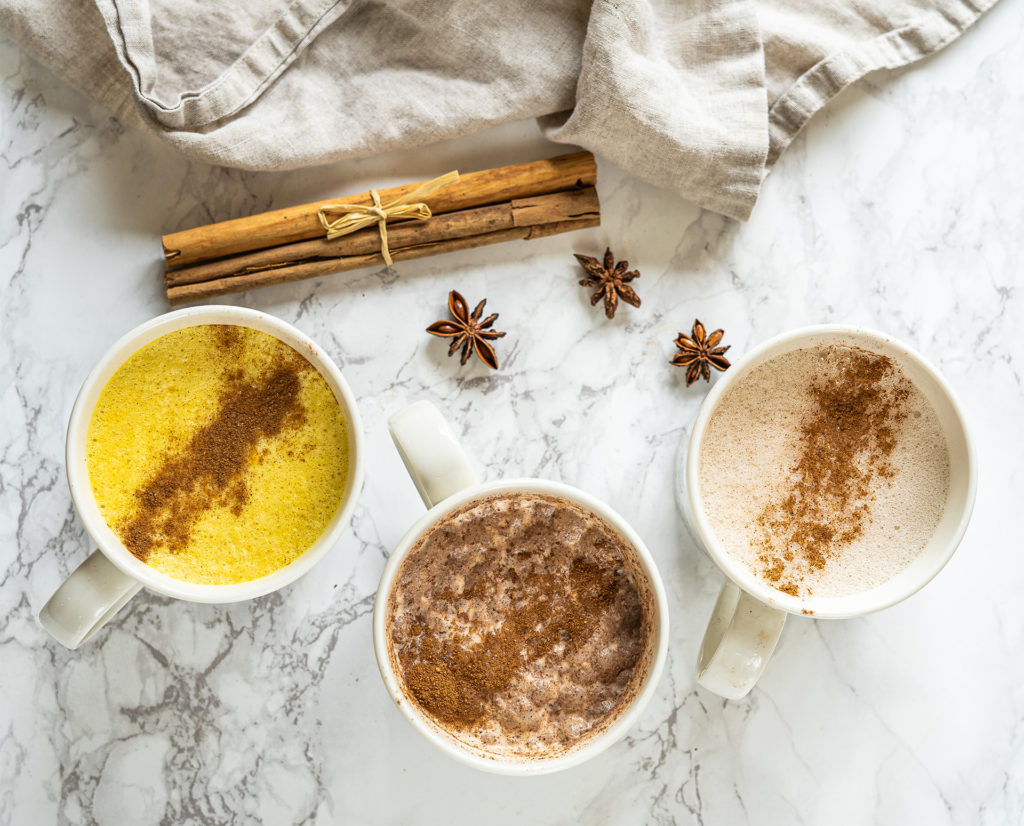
x: 446, y: 481
x: 111, y: 576
x: 748, y: 617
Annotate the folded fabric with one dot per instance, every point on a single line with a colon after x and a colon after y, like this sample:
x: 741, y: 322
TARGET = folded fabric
x: 699, y: 96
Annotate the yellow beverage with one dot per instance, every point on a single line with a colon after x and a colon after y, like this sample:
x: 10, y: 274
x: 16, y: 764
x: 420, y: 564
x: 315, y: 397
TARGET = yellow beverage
x: 218, y: 454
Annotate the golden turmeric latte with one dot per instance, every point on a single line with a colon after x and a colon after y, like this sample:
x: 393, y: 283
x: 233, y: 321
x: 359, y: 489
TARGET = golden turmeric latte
x: 217, y: 454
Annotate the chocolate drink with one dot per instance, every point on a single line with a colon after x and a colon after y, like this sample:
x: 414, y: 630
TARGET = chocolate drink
x: 520, y: 624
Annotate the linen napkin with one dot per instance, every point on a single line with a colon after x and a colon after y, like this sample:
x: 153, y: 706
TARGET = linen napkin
x: 700, y: 96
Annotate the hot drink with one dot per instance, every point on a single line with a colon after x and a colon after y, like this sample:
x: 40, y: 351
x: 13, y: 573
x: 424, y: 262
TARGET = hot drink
x: 824, y: 470
x: 217, y: 454
x: 521, y: 625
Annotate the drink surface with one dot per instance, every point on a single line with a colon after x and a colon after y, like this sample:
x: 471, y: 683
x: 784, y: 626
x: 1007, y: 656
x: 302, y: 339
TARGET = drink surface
x: 521, y: 625
x: 217, y: 454
x: 824, y: 470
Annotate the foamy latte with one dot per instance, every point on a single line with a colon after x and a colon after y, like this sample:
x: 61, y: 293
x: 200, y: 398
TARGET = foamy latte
x: 824, y: 471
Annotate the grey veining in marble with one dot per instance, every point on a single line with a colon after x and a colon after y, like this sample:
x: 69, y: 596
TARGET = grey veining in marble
x: 900, y: 208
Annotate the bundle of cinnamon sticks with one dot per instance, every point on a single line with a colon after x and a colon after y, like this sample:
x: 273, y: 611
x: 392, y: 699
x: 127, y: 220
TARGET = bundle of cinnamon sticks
x: 530, y: 200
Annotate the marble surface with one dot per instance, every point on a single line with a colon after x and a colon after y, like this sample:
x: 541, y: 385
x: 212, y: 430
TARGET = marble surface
x: 899, y: 208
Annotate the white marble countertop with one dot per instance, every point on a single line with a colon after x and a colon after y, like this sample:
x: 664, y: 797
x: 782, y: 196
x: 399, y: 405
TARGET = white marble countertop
x: 900, y: 208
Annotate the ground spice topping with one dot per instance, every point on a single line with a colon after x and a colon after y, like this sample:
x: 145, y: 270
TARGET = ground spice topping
x: 845, y: 445
x: 520, y: 625
x: 455, y: 679
x: 209, y: 470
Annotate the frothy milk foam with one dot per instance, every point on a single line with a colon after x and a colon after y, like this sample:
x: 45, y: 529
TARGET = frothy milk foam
x: 521, y: 625
x: 765, y: 466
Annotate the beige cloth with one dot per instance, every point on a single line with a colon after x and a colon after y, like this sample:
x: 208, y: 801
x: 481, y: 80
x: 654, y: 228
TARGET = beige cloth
x: 697, y: 95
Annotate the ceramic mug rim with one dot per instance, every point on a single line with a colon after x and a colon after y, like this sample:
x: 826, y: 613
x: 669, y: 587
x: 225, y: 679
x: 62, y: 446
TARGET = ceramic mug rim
x: 606, y: 737
x: 853, y: 605
x: 81, y: 490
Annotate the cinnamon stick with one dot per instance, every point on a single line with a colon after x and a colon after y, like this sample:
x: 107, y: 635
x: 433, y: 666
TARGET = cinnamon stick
x: 286, y: 226
x: 233, y: 284
x: 523, y: 212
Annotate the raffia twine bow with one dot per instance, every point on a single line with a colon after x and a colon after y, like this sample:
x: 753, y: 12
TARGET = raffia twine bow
x: 342, y: 219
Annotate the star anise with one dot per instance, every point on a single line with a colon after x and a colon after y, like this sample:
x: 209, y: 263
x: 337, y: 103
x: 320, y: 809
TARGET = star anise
x: 698, y: 352
x: 611, y: 281
x: 466, y: 329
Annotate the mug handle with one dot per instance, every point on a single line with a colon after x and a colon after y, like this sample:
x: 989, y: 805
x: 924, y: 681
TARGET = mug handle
x: 741, y: 636
x: 96, y: 590
x: 433, y: 456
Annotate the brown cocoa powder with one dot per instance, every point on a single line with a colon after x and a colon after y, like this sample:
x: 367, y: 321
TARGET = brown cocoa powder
x: 455, y: 679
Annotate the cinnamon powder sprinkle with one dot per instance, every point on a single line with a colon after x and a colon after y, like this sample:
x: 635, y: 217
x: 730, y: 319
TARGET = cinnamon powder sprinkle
x: 845, y: 445
x: 455, y: 679
x: 210, y: 469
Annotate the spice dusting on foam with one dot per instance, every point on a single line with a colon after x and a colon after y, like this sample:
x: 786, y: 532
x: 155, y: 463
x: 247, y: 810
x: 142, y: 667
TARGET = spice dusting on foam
x: 520, y: 625
x: 217, y: 454
x: 825, y: 470
x: 846, y: 444
x: 211, y: 468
